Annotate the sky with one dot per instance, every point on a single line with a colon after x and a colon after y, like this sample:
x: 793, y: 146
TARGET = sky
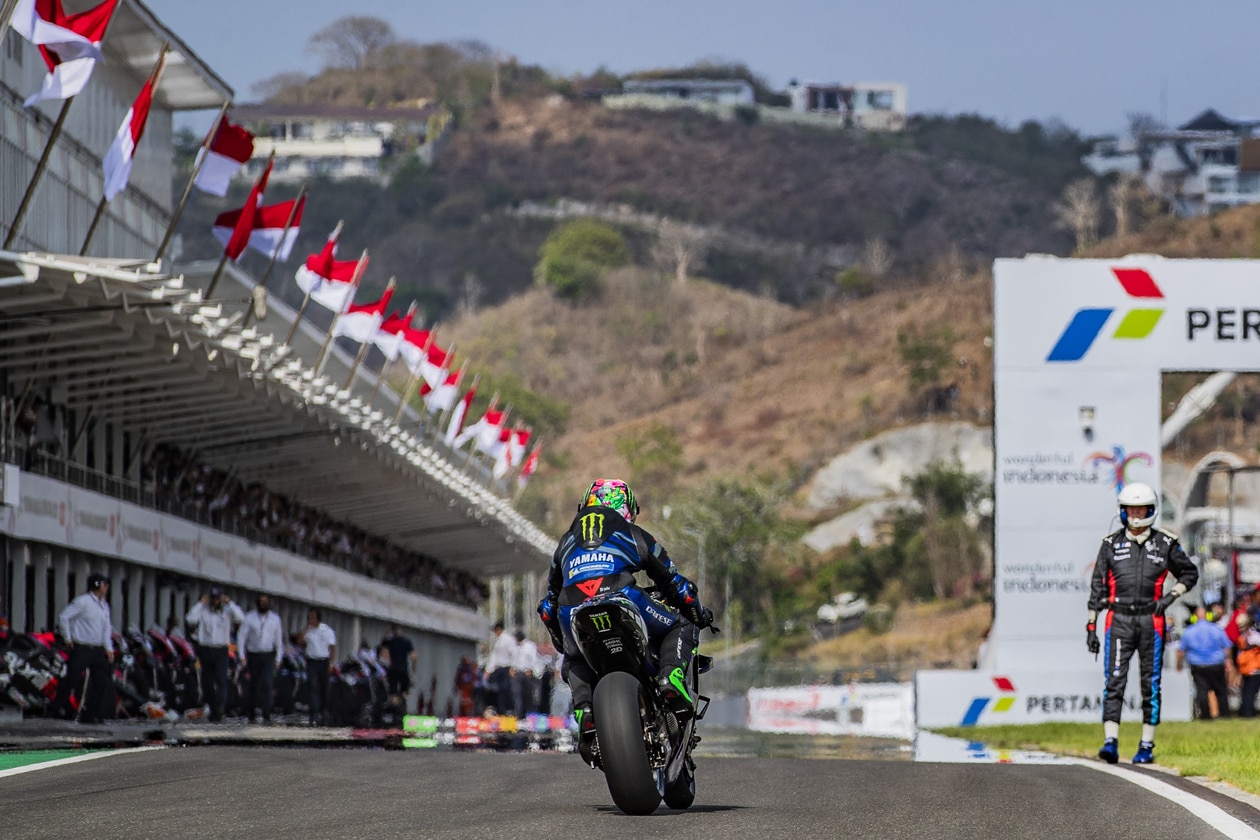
x: 1088, y: 63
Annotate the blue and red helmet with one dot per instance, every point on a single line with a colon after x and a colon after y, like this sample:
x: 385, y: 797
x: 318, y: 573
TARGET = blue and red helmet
x: 612, y: 493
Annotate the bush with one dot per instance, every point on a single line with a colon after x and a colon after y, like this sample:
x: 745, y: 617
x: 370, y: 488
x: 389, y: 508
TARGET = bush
x: 879, y: 618
x: 575, y: 256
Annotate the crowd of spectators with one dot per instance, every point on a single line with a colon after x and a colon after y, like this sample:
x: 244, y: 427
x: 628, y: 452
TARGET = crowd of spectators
x: 183, y: 484
x: 515, y: 677
x: 1222, y: 648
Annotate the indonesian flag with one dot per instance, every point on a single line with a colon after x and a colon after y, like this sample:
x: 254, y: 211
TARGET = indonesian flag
x: 329, y: 281
x: 456, y: 423
x: 70, y: 44
x: 267, y: 234
x: 362, y: 320
x: 415, y: 348
x: 230, y: 149
x: 486, y: 431
x: 443, y: 396
x: 502, y: 454
x: 244, y: 221
x: 517, y: 445
x: 123, y: 149
x: 434, y: 365
x: 389, y: 337
x: 527, y: 469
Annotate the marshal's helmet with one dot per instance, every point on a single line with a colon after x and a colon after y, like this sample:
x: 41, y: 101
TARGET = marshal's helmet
x: 1137, y: 495
x: 612, y: 493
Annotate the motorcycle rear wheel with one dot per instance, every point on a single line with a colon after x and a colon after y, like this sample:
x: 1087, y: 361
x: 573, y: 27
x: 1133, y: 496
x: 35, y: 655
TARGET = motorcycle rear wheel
x: 619, y: 711
x: 682, y: 792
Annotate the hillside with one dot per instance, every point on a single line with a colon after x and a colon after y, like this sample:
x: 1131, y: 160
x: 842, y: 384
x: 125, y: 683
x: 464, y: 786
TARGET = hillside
x: 778, y: 210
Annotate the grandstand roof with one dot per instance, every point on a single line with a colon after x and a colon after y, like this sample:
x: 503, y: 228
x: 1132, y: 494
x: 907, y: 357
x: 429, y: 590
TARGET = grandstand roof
x: 142, y: 349
x: 135, y: 37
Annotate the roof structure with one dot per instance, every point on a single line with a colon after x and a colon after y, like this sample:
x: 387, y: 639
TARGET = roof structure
x: 246, y: 112
x: 135, y: 38
x: 142, y: 349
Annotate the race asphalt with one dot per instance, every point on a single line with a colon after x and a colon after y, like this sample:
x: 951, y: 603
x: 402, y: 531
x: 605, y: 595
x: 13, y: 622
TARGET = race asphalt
x: 276, y: 792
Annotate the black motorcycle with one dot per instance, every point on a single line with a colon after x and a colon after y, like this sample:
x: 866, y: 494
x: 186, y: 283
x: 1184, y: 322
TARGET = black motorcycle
x: 643, y: 749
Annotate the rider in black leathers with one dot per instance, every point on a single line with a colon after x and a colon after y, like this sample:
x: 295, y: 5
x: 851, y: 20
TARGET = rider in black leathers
x: 600, y: 552
x: 1132, y: 582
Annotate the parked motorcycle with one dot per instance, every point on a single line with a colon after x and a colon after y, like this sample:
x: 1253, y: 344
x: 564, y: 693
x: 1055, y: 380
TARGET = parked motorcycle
x: 643, y: 749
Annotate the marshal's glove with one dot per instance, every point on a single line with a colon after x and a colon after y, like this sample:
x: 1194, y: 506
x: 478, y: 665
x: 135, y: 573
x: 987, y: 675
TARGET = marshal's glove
x: 1091, y: 639
x: 1164, y: 603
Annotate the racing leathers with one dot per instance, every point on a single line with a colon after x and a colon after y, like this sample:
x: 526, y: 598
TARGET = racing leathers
x: 600, y: 553
x: 1135, y: 579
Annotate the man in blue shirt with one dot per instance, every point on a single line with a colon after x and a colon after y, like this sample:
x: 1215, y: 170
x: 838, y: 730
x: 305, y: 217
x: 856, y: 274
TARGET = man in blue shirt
x: 1204, y: 645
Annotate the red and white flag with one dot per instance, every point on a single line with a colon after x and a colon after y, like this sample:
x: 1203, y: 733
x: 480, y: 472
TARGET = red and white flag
x: 268, y: 234
x: 444, y: 395
x: 123, y: 149
x: 362, y: 320
x: 70, y: 44
x: 244, y: 224
x: 456, y: 424
x: 329, y: 281
x: 502, y: 454
x: 527, y: 468
x: 435, y: 365
x: 229, y: 150
x: 389, y: 337
x: 486, y: 432
x: 415, y: 348
x: 517, y: 445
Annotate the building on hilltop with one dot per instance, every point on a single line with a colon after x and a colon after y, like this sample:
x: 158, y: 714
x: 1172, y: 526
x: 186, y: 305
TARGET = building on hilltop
x: 1208, y: 164
x: 876, y: 106
x: 719, y: 91
x: 336, y: 141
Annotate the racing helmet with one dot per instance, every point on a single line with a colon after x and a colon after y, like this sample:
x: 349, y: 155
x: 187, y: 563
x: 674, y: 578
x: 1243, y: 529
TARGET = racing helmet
x: 1137, y: 495
x: 612, y: 493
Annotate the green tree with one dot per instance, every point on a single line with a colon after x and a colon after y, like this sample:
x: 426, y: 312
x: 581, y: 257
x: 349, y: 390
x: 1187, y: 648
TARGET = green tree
x: 925, y: 354
x: 576, y: 255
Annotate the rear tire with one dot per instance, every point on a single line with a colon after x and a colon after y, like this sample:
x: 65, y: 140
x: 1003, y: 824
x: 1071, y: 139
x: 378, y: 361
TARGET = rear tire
x: 682, y: 792
x: 619, y: 725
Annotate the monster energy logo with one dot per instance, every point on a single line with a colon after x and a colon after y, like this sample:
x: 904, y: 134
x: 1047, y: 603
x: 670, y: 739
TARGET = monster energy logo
x: 592, y: 527
x: 602, y: 622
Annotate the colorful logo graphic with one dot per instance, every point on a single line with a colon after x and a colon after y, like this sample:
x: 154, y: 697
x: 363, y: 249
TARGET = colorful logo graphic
x: 1087, y: 324
x: 1119, y: 462
x: 979, y: 704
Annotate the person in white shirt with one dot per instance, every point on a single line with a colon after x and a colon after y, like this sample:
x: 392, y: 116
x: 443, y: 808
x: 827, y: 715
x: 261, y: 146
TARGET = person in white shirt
x: 214, y: 617
x: 261, y: 644
x: 86, y: 627
x: 321, y: 648
x: 499, y: 670
x: 525, y: 682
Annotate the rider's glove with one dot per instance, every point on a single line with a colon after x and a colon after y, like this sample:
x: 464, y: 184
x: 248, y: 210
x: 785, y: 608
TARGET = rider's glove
x: 1091, y: 639
x: 1164, y: 603
x: 550, y: 616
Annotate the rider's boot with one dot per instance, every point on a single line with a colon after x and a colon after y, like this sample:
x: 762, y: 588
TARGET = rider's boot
x: 1109, y: 751
x: 586, y: 733
x: 1145, y: 753
x: 678, y: 646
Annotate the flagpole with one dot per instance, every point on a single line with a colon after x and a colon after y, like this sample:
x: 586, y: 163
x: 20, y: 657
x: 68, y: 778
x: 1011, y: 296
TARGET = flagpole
x: 198, y: 162
x: 154, y: 76
x: 214, y: 281
x: 25, y: 205
x: 6, y: 17
x: 402, y: 397
x: 43, y: 160
x: 365, y: 346
x: 288, y: 223
x: 354, y: 287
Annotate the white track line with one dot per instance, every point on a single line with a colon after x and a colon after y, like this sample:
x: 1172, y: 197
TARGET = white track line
x: 1231, y: 827
x: 74, y: 759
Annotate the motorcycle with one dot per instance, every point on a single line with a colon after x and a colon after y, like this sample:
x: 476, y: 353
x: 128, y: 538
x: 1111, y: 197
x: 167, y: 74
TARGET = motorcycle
x: 641, y: 746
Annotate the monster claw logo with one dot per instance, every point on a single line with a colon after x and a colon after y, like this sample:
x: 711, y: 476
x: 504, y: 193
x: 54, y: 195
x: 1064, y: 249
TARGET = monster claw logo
x: 1119, y: 462
x: 1087, y: 324
x: 592, y: 527
x: 979, y: 704
x: 602, y: 622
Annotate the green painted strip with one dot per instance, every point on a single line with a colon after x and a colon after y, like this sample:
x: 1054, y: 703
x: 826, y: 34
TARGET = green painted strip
x: 1138, y: 323
x: 21, y: 759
